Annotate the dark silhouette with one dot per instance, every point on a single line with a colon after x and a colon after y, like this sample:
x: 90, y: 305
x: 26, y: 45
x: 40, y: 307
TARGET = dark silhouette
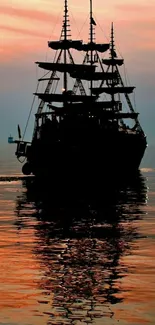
x: 93, y: 126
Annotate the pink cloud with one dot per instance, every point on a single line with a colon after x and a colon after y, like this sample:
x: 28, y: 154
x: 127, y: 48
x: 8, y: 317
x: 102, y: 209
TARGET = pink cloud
x: 134, y: 28
x: 141, y: 9
x: 28, y: 13
x: 27, y: 50
x: 136, y: 34
x: 23, y: 31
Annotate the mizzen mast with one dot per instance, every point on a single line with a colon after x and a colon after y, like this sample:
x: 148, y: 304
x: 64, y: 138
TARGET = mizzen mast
x: 65, y: 31
x: 92, y: 22
x: 113, y: 55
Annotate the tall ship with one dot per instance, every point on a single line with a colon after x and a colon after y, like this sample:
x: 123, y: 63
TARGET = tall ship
x: 85, y: 123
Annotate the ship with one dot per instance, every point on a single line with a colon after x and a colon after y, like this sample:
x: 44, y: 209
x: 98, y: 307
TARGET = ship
x: 85, y: 123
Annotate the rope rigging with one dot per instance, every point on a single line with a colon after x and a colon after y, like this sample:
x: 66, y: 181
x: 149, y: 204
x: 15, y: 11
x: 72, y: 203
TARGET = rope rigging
x: 30, y: 113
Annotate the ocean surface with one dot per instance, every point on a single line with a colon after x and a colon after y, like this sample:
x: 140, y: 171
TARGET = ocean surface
x: 76, y: 256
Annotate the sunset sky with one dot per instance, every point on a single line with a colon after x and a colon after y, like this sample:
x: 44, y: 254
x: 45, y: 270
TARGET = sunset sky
x: 26, y: 26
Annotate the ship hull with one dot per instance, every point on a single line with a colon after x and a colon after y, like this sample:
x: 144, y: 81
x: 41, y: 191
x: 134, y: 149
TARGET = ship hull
x: 117, y: 152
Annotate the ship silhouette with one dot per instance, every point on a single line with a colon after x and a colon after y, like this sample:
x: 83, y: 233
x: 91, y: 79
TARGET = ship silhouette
x: 91, y: 127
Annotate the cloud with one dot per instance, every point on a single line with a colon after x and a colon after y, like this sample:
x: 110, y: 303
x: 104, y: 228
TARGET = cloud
x: 23, y: 31
x: 25, y: 50
x: 136, y: 34
x: 32, y: 14
x: 134, y: 8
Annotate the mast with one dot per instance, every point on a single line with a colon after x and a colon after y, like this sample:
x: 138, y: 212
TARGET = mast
x: 112, y: 57
x: 65, y: 38
x: 91, y: 41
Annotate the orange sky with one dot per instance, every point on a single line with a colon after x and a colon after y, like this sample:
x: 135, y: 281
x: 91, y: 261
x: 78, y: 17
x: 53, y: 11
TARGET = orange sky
x: 26, y: 26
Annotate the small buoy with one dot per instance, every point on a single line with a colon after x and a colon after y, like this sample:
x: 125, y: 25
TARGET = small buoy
x: 26, y: 169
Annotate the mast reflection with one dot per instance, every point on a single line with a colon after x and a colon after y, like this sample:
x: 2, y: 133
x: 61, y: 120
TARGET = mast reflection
x: 80, y: 239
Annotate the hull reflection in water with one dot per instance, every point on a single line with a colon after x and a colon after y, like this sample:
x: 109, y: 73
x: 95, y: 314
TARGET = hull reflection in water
x: 81, y: 239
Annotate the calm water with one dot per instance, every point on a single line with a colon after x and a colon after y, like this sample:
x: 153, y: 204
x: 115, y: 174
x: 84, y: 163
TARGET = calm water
x: 76, y: 257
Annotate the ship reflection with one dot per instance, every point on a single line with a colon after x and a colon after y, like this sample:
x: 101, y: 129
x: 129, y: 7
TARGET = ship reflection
x: 81, y: 238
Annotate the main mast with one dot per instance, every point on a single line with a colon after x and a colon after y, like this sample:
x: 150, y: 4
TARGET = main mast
x: 65, y: 25
x: 91, y: 41
x: 112, y: 58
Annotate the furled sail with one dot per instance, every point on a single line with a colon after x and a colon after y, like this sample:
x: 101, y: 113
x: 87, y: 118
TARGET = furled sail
x: 65, y: 44
x: 91, y: 46
x: 112, y: 61
x: 132, y: 115
x: 112, y: 90
x: 82, y: 107
x: 68, y: 97
x: 73, y: 109
x: 65, y: 67
x: 85, y: 75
